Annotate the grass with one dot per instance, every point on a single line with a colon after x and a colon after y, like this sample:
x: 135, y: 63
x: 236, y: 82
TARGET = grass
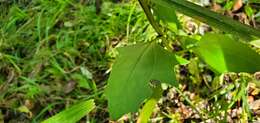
x: 54, y: 53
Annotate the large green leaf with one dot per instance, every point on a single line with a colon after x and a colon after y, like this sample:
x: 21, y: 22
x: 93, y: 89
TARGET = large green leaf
x: 224, y: 54
x: 128, y: 85
x: 73, y: 113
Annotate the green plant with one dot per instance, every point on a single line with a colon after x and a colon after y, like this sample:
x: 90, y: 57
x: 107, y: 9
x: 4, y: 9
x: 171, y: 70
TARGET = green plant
x: 52, y: 51
x: 138, y: 66
x: 73, y: 113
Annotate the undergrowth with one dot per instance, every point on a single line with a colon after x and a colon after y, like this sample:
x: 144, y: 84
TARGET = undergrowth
x: 54, y: 53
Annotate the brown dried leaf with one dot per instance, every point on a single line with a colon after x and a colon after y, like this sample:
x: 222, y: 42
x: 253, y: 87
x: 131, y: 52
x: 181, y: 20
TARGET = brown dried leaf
x: 255, y: 105
x: 216, y: 7
x: 238, y: 4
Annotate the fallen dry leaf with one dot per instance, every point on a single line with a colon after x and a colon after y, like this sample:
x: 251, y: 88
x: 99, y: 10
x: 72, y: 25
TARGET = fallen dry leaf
x: 238, y: 4
x: 255, y: 105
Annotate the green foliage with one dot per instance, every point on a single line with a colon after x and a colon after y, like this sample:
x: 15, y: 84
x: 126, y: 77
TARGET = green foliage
x: 167, y: 15
x: 59, y: 51
x: 129, y: 76
x: 224, y: 54
x: 72, y: 114
x: 135, y: 67
x: 205, y: 15
x: 150, y: 104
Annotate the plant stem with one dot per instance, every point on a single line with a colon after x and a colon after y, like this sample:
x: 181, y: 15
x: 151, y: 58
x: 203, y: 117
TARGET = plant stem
x: 150, y: 17
x: 154, y: 24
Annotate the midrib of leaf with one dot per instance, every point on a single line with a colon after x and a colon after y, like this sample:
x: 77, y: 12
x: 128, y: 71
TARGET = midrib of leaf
x: 154, y: 61
x: 146, y: 49
x: 137, y: 61
x: 128, y: 85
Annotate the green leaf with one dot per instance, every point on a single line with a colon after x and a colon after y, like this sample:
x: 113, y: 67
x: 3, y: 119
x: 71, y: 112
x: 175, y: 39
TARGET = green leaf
x: 73, y: 113
x: 224, y: 54
x: 167, y: 15
x: 82, y: 81
x: 128, y: 84
x: 212, y: 18
x: 181, y: 60
x: 249, y: 11
x: 255, y: 43
x: 150, y: 104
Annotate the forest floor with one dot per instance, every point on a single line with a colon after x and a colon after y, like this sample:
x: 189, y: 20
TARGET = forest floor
x: 54, y: 53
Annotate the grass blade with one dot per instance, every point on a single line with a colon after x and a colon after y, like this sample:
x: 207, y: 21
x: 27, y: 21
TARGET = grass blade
x: 73, y: 113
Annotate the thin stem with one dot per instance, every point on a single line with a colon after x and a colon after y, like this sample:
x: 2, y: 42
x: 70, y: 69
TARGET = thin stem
x: 155, y: 25
x: 150, y: 17
x: 189, y: 101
